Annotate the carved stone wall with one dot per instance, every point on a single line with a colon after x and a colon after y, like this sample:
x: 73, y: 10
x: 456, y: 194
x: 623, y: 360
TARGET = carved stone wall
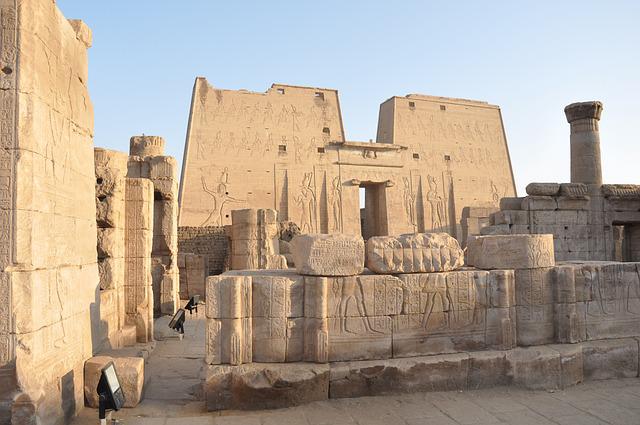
x: 49, y: 281
x: 138, y: 288
x: 111, y: 171
x: 254, y: 240
x: 192, y: 275
x: 285, y: 149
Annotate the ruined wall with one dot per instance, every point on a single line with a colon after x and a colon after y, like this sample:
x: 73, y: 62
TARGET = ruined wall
x: 48, y: 263
x: 285, y: 150
x: 147, y: 160
x: 211, y: 242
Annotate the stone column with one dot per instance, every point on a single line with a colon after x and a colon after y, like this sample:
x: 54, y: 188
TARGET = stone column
x: 585, y: 142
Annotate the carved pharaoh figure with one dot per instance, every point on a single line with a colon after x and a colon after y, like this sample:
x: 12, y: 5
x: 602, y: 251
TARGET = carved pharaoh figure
x: 336, y: 205
x: 352, y: 291
x: 437, y: 204
x: 306, y: 199
x: 409, y: 203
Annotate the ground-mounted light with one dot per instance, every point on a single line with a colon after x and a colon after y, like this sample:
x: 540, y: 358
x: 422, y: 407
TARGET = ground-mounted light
x: 193, y: 304
x: 110, y: 394
x: 177, y: 322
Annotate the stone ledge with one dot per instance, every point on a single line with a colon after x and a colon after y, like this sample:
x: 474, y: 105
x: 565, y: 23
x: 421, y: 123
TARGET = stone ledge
x: 275, y: 385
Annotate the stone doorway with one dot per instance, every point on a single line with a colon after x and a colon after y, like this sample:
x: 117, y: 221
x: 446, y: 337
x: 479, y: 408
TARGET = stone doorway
x: 626, y: 237
x: 373, y: 209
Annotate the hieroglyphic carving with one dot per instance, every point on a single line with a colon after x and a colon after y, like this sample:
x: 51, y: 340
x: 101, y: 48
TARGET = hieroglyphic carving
x: 8, y: 106
x: 328, y: 255
x: 220, y: 196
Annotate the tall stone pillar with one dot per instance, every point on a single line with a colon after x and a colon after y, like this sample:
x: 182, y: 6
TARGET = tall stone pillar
x: 585, y: 142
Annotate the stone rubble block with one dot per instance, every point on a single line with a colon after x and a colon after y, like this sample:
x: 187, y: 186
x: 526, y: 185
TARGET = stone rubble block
x: 511, y: 217
x: 111, y: 271
x: 610, y: 359
x: 111, y: 243
x: 414, y: 253
x: 130, y: 371
x: 543, y: 189
x: 265, y: 385
x: 510, y: 251
x: 229, y: 341
x: 371, y: 378
x: 328, y: 255
x: 574, y: 190
x: 539, y: 203
x: 511, y: 203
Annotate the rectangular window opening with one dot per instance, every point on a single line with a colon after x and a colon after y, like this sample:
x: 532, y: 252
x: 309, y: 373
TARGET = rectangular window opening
x: 443, y: 108
x: 447, y: 158
x: 280, y: 91
x: 412, y: 105
x: 319, y: 95
x: 416, y: 156
x: 282, y: 148
x: 326, y: 130
x: 320, y: 150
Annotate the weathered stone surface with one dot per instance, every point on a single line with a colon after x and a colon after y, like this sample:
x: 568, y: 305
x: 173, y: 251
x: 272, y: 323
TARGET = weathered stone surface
x: 265, y: 385
x: 571, y: 364
x: 370, y: 378
x: 254, y: 240
x: 511, y: 204
x: 92, y: 370
x: 543, y: 189
x: 510, y: 251
x: 607, y: 359
x: 328, y: 255
x: 228, y: 297
x: 534, y: 203
x: 574, y: 190
x: 192, y: 275
x: 487, y: 369
x: 229, y: 341
x: 414, y: 253
x: 146, y: 146
x: 535, y: 367
x: 534, y: 306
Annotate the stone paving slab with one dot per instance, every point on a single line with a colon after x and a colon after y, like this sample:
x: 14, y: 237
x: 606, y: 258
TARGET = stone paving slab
x: 605, y: 402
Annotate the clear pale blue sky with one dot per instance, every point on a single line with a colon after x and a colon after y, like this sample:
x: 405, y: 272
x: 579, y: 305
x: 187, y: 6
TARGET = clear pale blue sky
x: 531, y: 58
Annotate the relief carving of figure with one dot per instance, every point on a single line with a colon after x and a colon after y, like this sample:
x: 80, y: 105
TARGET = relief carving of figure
x: 220, y: 196
x: 437, y: 204
x: 593, y: 286
x: 437, y: 289
x: 352, y: 292
x: 306, y: 199
x: 409, y: 203
x: 336, y: 205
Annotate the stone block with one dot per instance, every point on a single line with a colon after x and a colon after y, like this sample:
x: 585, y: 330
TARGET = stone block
x: 92, y: 371
x: 536, y: 368
x: 573, y: 190
x: 487, y: 369
x: 228, y: 297
x: 496, y: 229
x: 534, y: 203
x: 277, y: 296
x: 543, y: 189
x: 571, y: 364
x: 269, y: 339
x: 110, y: 212
x: 609, y: 359
x: 316, y: 297
x: 316, y: 340
x: 381, y: 377
x: 144, y: 146
x: 501, y: 330
x: 265, y: 386
x: 328, y: 255
x: 573, y: 203
x: 501, y: 288
x: 359, y: 338
x: 111, y: 243
x: 413, y: 253
x: 511, y: 217
x: 510, y: 251
x: 130, y: 372
x: 111, y: 271
x: 509, y: 203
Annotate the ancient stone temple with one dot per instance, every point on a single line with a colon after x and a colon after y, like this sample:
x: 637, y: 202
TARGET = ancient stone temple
x: 286, y: 149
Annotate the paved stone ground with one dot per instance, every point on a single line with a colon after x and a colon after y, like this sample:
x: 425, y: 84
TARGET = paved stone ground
x: 173, y: 397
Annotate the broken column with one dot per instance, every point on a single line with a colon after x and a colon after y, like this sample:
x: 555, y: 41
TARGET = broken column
x: 254, y: 240
x: 138, y: 241
x: 584, y: 118
x: 148, y: 161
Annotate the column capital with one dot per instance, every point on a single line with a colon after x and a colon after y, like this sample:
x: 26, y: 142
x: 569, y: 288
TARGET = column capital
x: 582, y: 110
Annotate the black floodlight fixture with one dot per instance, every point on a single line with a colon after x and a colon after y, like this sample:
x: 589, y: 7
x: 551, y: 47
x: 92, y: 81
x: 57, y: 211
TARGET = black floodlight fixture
x: 110, y: 393
x: 193, y: 304
x: 177, y: 322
